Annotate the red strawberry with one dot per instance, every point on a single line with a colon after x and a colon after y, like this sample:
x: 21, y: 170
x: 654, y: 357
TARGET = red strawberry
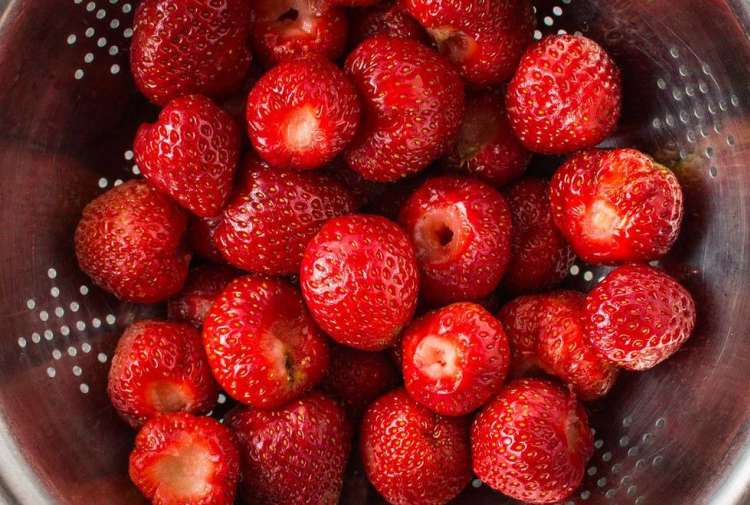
x: 387, y: 18
x: 129, y: 241
x: 616, y: 206
x: 461, y: 231
x: 412, y: 104
x: 263, y: 346
x: 356, y: 378
x: 564, y: 350
x: 484, y: 39
x: 203, y: 285
x: 287, y: 29
x: 302, y: 113
x: 359, y: 279
x: 361, y: 189
x: 540, y: 258
x: 486, y: 147
x: 520, y: 319
x: 565, y: 95
x: 532, y: 442
x: 274, y: 213
x: 413, y: 456
x: 190, y: 153
x: 295, y: 455
x: 200, y: 235
x: 455, y: 359
x: 160, y: 366
x: 182, y: 47
x: 186, y: 460
x: 639, y: 316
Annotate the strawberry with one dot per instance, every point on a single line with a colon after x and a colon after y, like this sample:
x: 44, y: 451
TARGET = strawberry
x: 130, y: 242
x: 274, y: 213
x: 183, y: 47
x: 565, y: 95
x: 356, y: 378
x: 302, y: 113
x: 359, y: 279
x: 294, y: 455
x: 455, y: 359
x: 461, y: 231
x: 484, y: 39
x: 190, y: 154
x: 412, y: 104
x: 287, y: 29
x: 540, y: 258
x: 160, y: 366
x: 203, y: 285
x: 486, y: 146
x: 413, y: 456
x: 387, y: 18
x: 180, y: 459
x: 616, y: 206
x: 363, y: 191
x: 532, y: 442
x: 262, y: 345
x: 563, y: 349
x: 200, y: 234
x: 639, y: 316
x: 520, y: 319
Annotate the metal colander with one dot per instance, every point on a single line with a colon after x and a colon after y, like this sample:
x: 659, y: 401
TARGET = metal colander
x: 679, y: 434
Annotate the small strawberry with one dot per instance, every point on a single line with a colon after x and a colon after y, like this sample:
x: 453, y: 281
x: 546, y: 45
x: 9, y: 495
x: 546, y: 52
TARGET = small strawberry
x: 461, y: 231
x: 190, y: 153
x: 484, y: 39
x: 387, y: 18
x: 180, y: 459
x: 565, y: 95
x: 263, y: 346
x: 294, y: 455
x: 274, y: 213
x: 203, y: 285
x: 357, y: 378
x: 540, y: 258
x: 363, y: 191
x: 302, y: 113
x: 183, y: 47
x: 200, y: 234
x: 359, y: 278
x: 532, y: 442
x: 288, y: 29
x: 160, y: 366
x: 130, y: 242
x: 486, y: 146
x: 520, y: 319
x: 455, y: 359
x: 616, y: 206
x: 413, y: 456
x: 639, y: 316
x: 412, y: 104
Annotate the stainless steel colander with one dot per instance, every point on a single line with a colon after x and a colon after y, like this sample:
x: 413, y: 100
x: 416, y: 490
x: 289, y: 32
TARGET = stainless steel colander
x: 679, y: 434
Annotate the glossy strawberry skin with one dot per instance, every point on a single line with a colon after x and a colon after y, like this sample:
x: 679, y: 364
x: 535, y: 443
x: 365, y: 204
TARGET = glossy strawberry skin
x: 540, y: 257
x: 203, y: 285
x: 484, y: 39
x: 302, y: 113
x: 486, y: 146
x: 461, y: 230
x: 616, y: 206
x: 130, y: 242
x: 455, y: 359
x: 290, y: 29
x: 532, y: 442
x: 200, y: 235
x: 169, y: 446
x: 262, y: 344
x: 565, y: 95
x: 639, y: 316
x: 296, y: 454
x: 183, y: 47
x: 520, y: 319
x: 411, y: 455
x: 190, y: 153
x: 274, y: 213
x: 412, y: 101
x: 386, y: 18
x: 360, y: 281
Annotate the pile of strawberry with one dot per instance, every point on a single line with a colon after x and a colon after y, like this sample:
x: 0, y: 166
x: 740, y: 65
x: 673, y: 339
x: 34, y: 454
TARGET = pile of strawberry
x: 320, y: 243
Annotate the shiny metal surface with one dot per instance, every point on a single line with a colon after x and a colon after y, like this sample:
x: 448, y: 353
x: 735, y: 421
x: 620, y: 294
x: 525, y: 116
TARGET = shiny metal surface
x: 679, y: 434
